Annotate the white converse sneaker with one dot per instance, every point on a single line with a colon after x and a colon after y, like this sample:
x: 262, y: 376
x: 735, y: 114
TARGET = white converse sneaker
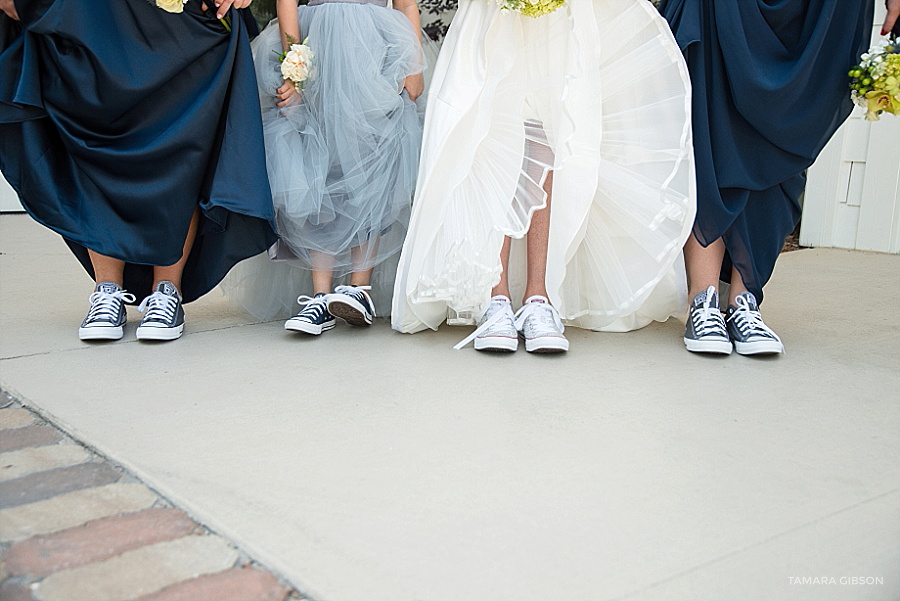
x: 496, y: 329
x: 540, y: 325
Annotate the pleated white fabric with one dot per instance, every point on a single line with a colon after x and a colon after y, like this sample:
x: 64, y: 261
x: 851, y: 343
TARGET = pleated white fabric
x: 599, y: 93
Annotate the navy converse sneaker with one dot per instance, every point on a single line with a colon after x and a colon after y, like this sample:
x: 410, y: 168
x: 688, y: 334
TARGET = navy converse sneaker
x: 314, y: 318
x: 705, y: 330
x: 163, y: 316
x: 745, y: 325
x: 352, y: 304
x: 106, y: 316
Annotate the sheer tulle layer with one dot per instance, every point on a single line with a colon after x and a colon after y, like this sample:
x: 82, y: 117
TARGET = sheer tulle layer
x: 597, y: 92
x: 343, y: 161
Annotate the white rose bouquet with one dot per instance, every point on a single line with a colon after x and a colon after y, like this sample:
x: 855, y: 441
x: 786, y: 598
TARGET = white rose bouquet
x: 297, y: 62
x: 530, y: 8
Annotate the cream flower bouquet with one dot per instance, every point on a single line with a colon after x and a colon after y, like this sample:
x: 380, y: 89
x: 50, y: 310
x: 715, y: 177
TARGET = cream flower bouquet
x: 297, y: 62
x: 530, y: 8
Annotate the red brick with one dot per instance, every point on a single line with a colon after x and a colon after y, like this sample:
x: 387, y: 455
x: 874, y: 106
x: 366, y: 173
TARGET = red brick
x: 15, y: 592
x: 96, y: 541
x: 29, y: 436
x: 236, y: 584
x: 50, y: 483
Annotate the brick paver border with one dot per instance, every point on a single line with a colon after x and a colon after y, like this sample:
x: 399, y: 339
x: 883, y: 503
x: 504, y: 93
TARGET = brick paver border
x: 76, y: 526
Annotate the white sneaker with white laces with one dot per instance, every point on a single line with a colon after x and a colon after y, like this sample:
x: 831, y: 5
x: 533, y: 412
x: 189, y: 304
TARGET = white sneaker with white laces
x: 496, y: 330
x: 541, y: 326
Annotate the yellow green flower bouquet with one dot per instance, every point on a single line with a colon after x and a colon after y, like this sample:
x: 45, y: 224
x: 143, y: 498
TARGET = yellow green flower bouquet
x: 530, y: 8
x: 875, y: 82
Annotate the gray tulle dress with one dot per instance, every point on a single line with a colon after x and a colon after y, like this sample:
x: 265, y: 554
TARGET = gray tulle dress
x: 342, y: 162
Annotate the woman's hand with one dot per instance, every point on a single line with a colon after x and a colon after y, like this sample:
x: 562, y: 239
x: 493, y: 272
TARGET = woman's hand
x: 893, y: 12
x: 287, y: 95
x: 9, y: 7
x: 224, y: 5
x: 414, y: 85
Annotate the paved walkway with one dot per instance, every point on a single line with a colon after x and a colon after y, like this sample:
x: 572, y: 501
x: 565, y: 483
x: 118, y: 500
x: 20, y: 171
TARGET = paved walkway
x: 370, y: 465
x: 76, y: 527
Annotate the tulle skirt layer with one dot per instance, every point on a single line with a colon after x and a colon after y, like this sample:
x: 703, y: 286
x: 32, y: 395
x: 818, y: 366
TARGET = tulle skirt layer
x: 597, y: 92
x: 343, y: 161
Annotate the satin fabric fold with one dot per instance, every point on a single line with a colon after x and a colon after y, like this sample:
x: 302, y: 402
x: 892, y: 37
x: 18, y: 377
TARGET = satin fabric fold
x: 770, y: 89
x: 121, y: 119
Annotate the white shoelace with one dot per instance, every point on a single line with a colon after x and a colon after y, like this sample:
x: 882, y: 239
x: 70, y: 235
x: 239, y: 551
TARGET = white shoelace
x: 749, y: 321
x: 314, y: 304
x: 357, y: 291
x: 159, y: 307
x: 707, y: 320
x: 488, y: 324
x: 105, y: 305
x: 546, y: 316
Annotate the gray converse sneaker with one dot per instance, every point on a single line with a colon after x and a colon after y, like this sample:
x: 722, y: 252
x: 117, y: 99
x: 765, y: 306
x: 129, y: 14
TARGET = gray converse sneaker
x: 352, y: 304
x: 748, y: 332
x: 540, y: 325
x: 106, y: 316
x: 163, y: 316
x: 705, y: 330
x: 314, y: 318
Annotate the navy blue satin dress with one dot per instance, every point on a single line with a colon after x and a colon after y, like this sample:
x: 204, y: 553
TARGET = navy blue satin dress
x: 118, y: 119
x: 770, y: 89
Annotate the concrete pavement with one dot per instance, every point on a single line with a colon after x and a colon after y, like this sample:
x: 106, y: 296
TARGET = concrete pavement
x: 372, y: 465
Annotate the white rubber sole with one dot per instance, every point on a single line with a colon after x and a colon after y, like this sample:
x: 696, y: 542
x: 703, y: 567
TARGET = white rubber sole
x: 547, y: 344
x: 762, y: 347
x: 497, y: 344
x: 716, y: 347
x: 101, y: 333
x: 312, y: 329
x: 156, y: 333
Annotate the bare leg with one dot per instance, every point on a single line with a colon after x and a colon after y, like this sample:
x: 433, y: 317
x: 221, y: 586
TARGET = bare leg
x: 172, y: 273
x: 704, y: 265
x: 538, y: 237
x: 502, y: 288
x: 322, y: 268
x: 361, y: 256
x: 737, y: 287
x: 107, y: 269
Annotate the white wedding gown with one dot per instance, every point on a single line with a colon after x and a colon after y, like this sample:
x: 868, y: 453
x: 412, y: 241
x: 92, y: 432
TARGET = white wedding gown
x: 596, y: 91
